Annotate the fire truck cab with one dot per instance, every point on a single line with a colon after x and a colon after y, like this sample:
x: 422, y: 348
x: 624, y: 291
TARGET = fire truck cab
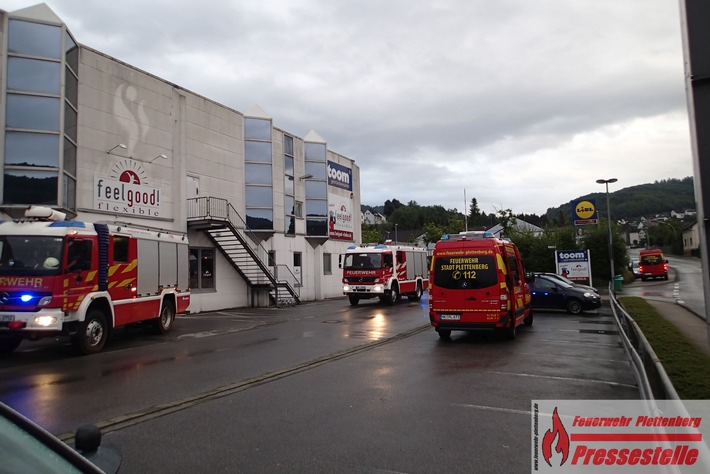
x: 81, y: 279
x: 478, y: 283
x: 384, y: 271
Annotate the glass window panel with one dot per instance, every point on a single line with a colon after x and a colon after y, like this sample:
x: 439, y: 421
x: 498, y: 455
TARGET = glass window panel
x: 70, y: 121
x: 71, y: 89
x: 30, y: 187
x: 71, y: 53
x: 34, y: 39
x: 288, y: 145
x: 206, y: 269
x: 194, y: 267
x: 33, y: 75
x: 288, y: 185
x: 69, y: 157
x: 257, y: 129
x: 315, y: 152
x: 289, y: 204
x: 288, y: 165
x: 259, y: 196
x: 327, y: 264
x: 39, y: 113
x: 290, y: 225
x: 316, y: 189
x: 317, y: 227
x: 69, y: 196
x: 257, y: 151
x: 260, y: 219
x: 257, y: 174
x: 298, y: 209
x: 32, y: 149
x: 316, y: 169
x: 316, y: 208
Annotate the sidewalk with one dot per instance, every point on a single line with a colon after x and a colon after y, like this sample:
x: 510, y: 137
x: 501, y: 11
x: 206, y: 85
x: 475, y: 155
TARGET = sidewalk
x: 692, y: 326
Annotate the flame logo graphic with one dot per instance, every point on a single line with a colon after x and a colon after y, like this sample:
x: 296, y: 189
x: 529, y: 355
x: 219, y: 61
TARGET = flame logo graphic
x: 558, y: 431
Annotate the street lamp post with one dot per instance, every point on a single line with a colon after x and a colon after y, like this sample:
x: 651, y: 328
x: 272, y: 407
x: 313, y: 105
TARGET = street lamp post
x: 608, y: 222
x: 395, y: 234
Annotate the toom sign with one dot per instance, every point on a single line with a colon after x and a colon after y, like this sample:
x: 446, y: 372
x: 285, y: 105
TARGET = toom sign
x: 575, y: 265
x: 339, y: 176
x: 585, y: 212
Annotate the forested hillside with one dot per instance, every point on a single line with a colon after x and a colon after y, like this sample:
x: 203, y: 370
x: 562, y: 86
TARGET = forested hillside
x: 644, y: 200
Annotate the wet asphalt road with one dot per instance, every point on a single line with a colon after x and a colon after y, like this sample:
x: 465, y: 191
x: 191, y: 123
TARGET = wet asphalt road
x: 322, y: 387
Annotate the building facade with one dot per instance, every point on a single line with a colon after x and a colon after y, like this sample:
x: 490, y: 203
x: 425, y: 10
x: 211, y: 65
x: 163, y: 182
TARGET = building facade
x: 267, y: 213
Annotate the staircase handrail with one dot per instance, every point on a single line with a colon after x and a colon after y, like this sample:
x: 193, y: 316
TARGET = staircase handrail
x: 207, y: 207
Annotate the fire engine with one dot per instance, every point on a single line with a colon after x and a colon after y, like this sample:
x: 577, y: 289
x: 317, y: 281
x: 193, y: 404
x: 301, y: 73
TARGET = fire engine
x: 81, y: 279
x: 384, y: 271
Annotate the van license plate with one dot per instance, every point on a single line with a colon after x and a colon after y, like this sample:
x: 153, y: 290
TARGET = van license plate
x: 450, y: 317
x: 7, y: 317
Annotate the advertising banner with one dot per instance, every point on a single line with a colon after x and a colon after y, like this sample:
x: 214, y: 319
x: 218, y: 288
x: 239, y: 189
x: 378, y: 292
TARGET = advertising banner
x: 125, y: 191
x: 340, y: 176
x: 585, y: 212
x: 620, y: 436
x: 575, y: 265
x: 340, y: 217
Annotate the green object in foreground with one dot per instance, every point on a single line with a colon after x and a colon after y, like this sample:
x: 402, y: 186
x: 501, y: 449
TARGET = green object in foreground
x: 686, y: 365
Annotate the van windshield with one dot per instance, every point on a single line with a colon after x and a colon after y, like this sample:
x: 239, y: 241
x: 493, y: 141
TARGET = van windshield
x: 465, y: 273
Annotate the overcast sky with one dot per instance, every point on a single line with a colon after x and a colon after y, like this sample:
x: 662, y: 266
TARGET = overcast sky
x: 521, y: 104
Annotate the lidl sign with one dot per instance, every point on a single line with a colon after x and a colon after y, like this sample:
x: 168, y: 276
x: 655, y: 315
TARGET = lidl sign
x: 585, y: 212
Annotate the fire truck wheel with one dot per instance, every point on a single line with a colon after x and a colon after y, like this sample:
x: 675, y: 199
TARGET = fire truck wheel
x: 354, y: 300
x: 392, y: 297
x: 9, y: 343
x: 444, y: 334
x: 93, y: 333
x: 418, y: 295
x: 163, y: 323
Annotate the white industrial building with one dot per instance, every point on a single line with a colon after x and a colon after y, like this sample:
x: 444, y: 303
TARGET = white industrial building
x: 266, y: 212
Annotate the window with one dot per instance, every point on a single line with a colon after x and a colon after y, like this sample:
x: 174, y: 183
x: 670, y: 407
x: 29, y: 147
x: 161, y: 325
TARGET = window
x: 37, y: 55
x: 327, y: 264
x: 296, y: 259
x: 259, y: 195
x: 316, y: 190
x: 201, y: 269
x: 289, y: 187
x: 120, y: 249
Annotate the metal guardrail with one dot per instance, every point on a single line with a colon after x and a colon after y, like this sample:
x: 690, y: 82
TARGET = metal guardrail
x: 652, y: 379
x: 221, y: 209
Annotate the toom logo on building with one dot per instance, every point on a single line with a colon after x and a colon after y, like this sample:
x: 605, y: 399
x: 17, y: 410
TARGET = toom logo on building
x: 585, y: 212
x: 339, y: 176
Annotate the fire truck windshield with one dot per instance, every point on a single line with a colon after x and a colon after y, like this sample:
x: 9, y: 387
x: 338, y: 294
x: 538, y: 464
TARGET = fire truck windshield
x: 23, y: 255
x: 360, y: 261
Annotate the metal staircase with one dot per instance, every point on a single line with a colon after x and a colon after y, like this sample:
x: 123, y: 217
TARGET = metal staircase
x: 230, y: 234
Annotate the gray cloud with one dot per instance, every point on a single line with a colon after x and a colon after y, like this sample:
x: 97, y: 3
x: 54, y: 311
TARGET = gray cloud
x: 523, y: 104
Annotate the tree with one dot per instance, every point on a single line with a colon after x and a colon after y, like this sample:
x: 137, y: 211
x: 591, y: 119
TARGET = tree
x: 474, y: 213
x: 371, y: 235
x: 506, y: 219
x: 390, y: 207
x: 432, y: 233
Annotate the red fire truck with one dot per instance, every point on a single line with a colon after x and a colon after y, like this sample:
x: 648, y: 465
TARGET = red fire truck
x: 384, y: 271
x: 64, y: 277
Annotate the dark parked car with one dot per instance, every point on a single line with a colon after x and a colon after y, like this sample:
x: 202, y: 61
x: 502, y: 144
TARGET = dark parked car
x: 557, y: 277
x: 549, y: 293
x: 28, y: 448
